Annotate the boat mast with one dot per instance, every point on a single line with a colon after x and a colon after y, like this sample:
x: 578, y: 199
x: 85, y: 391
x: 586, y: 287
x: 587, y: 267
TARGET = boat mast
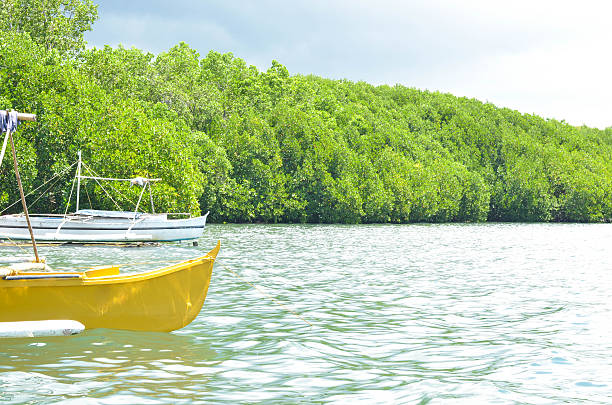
x: 26, y: 117
x: 78, y: 182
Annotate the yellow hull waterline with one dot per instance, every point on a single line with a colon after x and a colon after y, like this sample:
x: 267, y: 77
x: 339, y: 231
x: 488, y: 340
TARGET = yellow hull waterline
x: 165, y: 299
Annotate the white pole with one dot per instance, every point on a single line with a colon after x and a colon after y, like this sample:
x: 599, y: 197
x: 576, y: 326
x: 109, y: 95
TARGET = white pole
x: 139, y: 198
x: 151, y: 196
x: 78, y: 182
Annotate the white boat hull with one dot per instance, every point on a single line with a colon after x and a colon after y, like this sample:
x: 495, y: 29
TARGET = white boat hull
x: 91, y: 228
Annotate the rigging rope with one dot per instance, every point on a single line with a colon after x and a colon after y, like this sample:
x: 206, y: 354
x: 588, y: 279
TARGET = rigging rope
x: 16, y: 244
x: 102, y: 187
x: 44, y: 192
x: 118, y: 192
x: 42, y: 185
x: 70, y: 197
x: 88, y: 199
x: 58, y: 175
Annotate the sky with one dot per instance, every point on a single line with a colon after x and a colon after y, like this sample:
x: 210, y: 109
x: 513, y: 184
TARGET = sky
x: 544, y: 57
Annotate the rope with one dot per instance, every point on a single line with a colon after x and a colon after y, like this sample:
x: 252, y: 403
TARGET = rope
x: 69, y: 197
x: 118, y: 192
x: 267, y: 295
x: 44, y: 192
x: 102, y: 187
x: 16, y: 244
x: 42, y: 185
x: 88, y: 199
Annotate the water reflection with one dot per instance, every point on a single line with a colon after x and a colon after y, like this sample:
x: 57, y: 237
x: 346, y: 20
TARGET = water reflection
x: 103, y: 363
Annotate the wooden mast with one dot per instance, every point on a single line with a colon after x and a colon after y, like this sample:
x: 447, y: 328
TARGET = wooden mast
x: 23, y: 117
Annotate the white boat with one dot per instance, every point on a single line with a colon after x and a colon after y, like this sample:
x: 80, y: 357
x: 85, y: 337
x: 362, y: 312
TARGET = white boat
x: 89, y: 225
x: 102, y: 226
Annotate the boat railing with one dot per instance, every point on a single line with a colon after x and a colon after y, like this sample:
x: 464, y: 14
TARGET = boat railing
x: 43, y: 215
x: 178, y: 214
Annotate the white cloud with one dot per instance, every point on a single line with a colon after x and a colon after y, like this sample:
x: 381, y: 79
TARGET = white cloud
x: 564, y: 77
x: 538, y: 56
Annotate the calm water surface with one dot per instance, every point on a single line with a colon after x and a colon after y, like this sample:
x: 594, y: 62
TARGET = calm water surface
x: 414, y: 314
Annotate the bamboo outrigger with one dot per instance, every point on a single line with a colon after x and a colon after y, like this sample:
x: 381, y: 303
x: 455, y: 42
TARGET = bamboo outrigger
x: 164, y: 299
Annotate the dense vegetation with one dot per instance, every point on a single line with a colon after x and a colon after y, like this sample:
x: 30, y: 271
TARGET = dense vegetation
x: 268, y: 146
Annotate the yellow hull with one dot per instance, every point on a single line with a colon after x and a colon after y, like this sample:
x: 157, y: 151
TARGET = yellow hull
x: 162, y: 300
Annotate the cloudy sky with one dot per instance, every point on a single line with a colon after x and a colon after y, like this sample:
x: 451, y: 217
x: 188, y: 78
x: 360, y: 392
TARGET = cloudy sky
x: 551, y: 58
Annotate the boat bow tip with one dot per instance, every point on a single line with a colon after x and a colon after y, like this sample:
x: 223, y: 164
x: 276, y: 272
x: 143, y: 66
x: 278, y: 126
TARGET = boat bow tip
x: 213, y: 253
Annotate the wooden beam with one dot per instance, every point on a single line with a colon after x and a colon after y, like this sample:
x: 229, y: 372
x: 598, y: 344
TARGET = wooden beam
x: 26, y: 117
x: 23, y: 201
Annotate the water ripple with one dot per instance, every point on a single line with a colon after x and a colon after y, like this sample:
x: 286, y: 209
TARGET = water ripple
x: 495, y: 313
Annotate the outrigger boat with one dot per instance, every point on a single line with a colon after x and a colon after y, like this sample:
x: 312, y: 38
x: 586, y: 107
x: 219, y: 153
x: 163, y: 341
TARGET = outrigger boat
x: 102, y: 226
x: 164, y: 299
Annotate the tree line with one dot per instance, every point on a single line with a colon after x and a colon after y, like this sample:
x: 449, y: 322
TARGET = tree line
x: 267, y: 146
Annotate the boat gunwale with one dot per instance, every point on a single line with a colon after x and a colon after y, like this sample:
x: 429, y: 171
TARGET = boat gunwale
x: 112, y: 279
x: 100, y: 220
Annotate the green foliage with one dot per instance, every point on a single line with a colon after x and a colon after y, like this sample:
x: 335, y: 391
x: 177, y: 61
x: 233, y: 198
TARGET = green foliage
x: 267, y: 146
x: 119, y: 137
x: 55, y: 24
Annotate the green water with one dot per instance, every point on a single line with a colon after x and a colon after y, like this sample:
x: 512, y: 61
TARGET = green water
x: 413, y: 314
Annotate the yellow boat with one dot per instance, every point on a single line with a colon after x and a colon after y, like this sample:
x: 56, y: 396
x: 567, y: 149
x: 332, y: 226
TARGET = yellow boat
x: 161, y: 300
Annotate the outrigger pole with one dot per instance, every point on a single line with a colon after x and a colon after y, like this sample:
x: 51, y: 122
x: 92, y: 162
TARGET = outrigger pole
x: 23, y: 117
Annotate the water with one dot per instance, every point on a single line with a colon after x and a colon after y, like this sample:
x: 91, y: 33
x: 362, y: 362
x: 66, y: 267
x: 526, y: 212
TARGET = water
x: 414, y: 314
